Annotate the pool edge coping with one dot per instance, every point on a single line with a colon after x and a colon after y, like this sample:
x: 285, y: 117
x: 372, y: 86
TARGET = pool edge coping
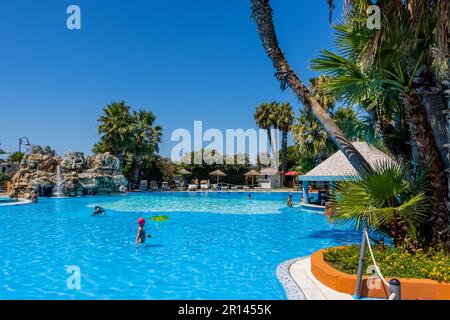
x: 20, y: 202
x: 291, y: 288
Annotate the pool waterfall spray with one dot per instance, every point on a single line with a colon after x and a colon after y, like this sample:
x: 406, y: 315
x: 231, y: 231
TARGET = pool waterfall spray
x: 59, y: 182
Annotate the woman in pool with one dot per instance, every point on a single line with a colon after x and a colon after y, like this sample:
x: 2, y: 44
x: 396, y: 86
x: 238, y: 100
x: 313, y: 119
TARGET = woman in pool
x: 329, y: 211
x: 141, y: 234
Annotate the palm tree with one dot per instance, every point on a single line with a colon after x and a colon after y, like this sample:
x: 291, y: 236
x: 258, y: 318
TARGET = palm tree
x: 116, y: 128
x: 284, y: 116
x: 309, y: 136
x: 398, y: 64
x: 385, y: 200
x: 262, y: 14
x: 354, y: 127
x: 264, y: 118
x: 16, y: 157
x: 146, y: 139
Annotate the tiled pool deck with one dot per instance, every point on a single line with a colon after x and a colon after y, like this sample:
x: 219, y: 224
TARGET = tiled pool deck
x: 300, y: 284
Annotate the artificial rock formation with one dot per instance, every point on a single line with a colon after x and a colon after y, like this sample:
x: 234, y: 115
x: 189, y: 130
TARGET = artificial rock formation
x: 78, y: 175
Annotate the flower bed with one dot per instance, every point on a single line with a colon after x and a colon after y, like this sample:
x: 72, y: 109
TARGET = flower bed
x: 411, y: 288
x: 393, y: 262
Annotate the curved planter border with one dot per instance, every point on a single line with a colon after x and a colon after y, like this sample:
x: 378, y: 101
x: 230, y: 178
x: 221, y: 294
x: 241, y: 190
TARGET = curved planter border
x: 411, y: 289
x: 293, y: 292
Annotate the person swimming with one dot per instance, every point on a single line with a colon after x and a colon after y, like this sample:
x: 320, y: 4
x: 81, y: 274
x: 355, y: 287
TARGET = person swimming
x: 249, y: 196
x: 289, y: 201
x: 141, y: 234
x: 98, y: 211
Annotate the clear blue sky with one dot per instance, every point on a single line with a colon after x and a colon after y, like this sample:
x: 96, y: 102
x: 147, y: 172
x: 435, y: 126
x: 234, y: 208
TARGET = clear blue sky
x: 183, y: 60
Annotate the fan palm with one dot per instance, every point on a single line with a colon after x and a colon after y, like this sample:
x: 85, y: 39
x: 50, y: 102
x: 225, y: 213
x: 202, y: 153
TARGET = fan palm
x: 400, y: 65
x: 309, y: 136
x: 146, y: 139
x: 283, y: 118
x: 383, y: 199
x: 115, y: 127
x: 16, y: 157
x: 264, y: 118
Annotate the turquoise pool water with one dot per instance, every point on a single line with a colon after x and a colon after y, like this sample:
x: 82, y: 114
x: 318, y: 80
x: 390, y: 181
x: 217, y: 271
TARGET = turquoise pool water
x: 214, y: 246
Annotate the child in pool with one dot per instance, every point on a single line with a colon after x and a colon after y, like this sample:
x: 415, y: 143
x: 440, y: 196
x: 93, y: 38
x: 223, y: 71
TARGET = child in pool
x: 141, y: 234
x: 98, y: 211
x: 289, y: 201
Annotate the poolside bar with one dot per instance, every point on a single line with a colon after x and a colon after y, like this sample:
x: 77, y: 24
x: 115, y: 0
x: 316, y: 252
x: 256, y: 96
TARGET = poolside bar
x: 338, y: 168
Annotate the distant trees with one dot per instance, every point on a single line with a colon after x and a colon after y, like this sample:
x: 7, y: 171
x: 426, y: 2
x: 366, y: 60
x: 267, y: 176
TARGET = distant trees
x: 129, y: 135
x: 15, y: 157
x: 277, y: 116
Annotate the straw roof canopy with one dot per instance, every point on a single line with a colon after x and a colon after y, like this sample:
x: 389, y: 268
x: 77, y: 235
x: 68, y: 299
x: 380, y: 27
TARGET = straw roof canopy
x: 268, y: 172
x: 252, y: 173
x: 337, y: 167
x: 218, y: 173
x: 184, y: 171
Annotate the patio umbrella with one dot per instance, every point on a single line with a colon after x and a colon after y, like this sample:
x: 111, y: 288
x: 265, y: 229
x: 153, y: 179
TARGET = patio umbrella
x: 218, y: 174
x: 252, y: 173
x: 293, y: 174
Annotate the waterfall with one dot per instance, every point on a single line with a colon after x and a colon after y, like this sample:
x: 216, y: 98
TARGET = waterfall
x: 59, y: 182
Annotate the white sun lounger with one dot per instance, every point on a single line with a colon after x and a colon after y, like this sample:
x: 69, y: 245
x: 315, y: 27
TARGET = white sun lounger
x: 165, y: 186
x: 204, y: 185
x: 192, y: 187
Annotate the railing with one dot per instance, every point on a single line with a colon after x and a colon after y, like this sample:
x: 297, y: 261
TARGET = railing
x: 393, y: 285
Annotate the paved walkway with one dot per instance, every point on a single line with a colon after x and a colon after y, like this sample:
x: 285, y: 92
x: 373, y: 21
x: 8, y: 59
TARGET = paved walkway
x: 312, y: 288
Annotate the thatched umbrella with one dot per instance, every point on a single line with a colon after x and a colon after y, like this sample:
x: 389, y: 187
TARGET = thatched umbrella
x: 218, y: 174
x: 252, y: 173
x: 268, y: 172
x: 184, y: 172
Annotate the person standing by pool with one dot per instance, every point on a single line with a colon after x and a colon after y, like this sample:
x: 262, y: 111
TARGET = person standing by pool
x: 141, y: 234
x: 289, y: 201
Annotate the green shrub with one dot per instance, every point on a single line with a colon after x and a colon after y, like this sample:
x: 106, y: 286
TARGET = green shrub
x: 393, y: 262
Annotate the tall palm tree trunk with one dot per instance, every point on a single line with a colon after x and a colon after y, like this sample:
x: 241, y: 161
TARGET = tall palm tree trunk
x: 284, y: 150
x: 262, y: 14
x: 432, y: 99
x: 284, y: 134
x: 446, y: 94
x: 446, y: 84
x: 136, y: 170
x: 426, y: 151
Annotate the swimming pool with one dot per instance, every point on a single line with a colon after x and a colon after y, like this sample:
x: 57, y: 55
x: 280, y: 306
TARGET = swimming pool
x: 214, y: 246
